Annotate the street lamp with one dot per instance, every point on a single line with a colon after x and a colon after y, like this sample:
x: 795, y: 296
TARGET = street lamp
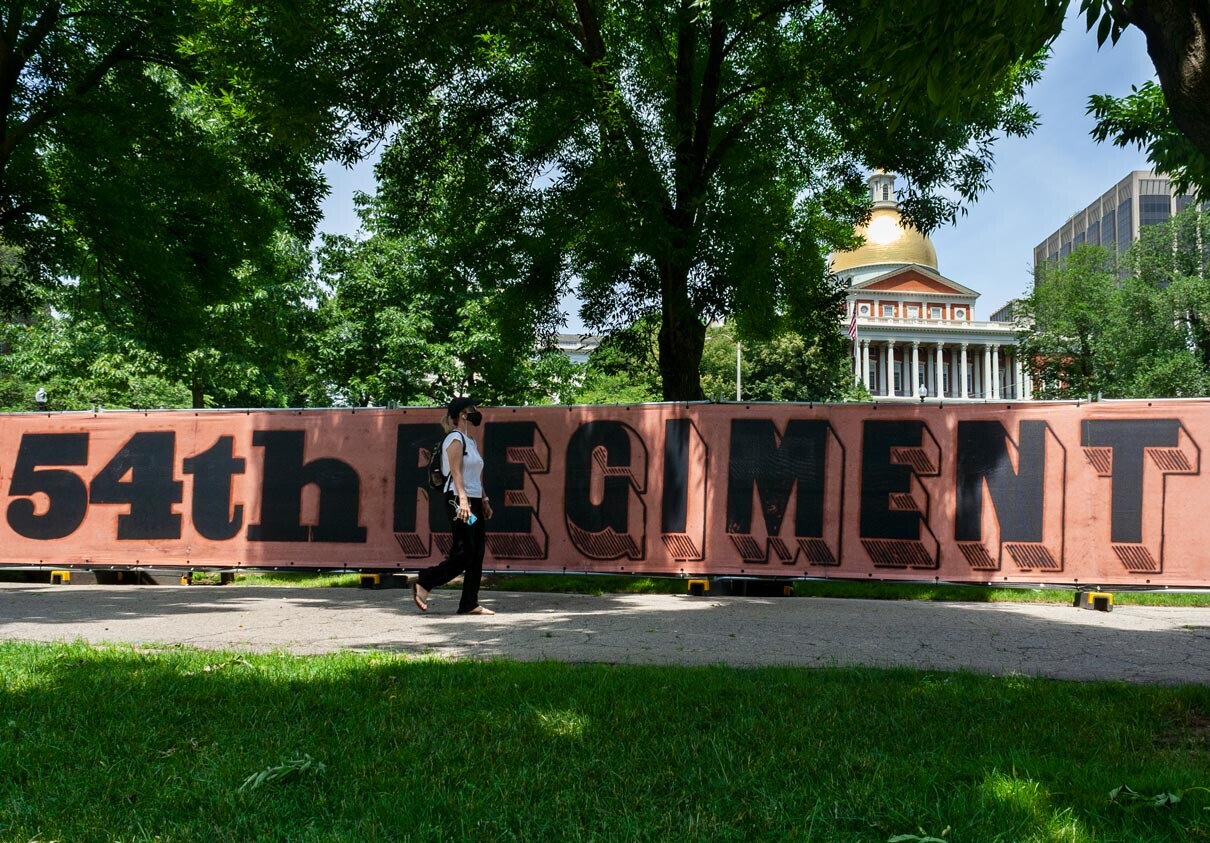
x: 40, y: 398
x: 922, y: 391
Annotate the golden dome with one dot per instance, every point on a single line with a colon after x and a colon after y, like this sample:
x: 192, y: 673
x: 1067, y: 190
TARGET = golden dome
x: 887, y: 240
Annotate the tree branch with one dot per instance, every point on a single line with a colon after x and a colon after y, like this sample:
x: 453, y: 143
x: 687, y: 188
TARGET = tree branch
x: 118, y: 53
x: 14, y: 54
x: 775, y: 11
x: 707, y: 107
x: 686, y: 54
x: 42, y: 28
x: 625, y: 131
x: 729, y: 140
x: 570, y: 25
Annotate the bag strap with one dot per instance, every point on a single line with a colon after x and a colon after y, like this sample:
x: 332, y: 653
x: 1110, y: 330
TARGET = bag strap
x: 449, y: 478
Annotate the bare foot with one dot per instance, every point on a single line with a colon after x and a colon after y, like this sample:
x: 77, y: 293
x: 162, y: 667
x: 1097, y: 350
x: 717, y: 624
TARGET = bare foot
x: 479, y: 610
x: 419, y: 596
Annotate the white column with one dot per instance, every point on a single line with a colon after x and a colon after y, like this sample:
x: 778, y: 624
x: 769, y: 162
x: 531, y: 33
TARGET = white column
x: 1020, y: 373
x: 962, y: 373
x: 996, y: 372
x: 856, y: 360
x: 865, y: 363
x: 1027, y: 384
x: 1006, y: 383
x: 985, y: 380
x: 890, y: 368
x: 914, y: 381
x: 938, y: 377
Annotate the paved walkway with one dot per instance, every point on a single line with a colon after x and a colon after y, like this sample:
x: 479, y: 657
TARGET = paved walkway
x: 1133, y: 644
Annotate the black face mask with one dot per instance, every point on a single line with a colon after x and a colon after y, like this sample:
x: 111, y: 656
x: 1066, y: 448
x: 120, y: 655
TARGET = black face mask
x: 474, y: 417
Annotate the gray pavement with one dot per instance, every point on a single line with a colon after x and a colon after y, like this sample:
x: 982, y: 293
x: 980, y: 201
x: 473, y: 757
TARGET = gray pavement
x: 1133, y: 644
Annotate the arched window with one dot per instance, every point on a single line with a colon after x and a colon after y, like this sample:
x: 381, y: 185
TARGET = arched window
x: 886, y: 192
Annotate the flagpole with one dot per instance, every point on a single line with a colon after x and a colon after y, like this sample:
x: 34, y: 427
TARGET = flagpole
x: 856, y: 347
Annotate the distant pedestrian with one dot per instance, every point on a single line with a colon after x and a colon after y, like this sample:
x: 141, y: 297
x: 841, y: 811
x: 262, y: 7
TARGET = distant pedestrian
x: 466, y: 507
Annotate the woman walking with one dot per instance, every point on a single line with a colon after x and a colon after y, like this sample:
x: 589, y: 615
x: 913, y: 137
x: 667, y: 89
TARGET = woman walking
x: 467, y: 508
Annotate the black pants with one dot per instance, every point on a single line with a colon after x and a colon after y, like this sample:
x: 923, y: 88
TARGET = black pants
x: 465, y: 556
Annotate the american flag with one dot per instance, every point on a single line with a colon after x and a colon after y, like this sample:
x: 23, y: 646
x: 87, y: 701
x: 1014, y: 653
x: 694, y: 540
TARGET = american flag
x: 853, y: 324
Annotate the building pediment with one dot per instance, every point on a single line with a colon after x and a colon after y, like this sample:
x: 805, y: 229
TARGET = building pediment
x: 912, y: 279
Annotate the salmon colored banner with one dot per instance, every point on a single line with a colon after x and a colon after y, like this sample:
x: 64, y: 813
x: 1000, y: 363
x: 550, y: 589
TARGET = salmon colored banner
x: 1100, y: 494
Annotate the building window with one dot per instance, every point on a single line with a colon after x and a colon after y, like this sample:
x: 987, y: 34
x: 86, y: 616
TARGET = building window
x: 886, y: 193
x: 1125, y: 225
x: 959, y: 312
x: 936, y: 312
x: 864, y: 310
x: 898, y: 379
x: 1154, y: 209
x: 888, y: 310
x: 913, y: 311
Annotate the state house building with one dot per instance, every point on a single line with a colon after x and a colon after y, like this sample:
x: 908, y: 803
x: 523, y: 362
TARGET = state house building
x: 911, y: 318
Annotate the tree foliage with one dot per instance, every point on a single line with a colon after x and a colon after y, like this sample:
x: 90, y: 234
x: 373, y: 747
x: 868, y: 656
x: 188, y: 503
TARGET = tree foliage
x: 1139, y: 330
x: 398, y: 324
x: 689, y: 160
x: 624, y: 368
x: 251, y: 353
x: 1142, y: 119
x: 81, y: 364
x: 154, y: 150
x: 1171, y: 121
x: 787, y: 367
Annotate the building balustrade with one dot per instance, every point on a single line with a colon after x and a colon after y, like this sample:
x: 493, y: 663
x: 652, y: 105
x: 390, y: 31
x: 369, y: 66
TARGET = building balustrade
x: 946, y: 324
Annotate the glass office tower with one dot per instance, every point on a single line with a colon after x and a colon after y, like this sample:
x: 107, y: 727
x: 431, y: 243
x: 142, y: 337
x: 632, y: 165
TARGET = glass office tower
x: 1115, y: 219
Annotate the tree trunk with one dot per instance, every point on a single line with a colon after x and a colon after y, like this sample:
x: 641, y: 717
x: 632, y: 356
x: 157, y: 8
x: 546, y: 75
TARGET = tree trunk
x: 682, y: 340
x: 199, y: 395
x: 1178, y: 41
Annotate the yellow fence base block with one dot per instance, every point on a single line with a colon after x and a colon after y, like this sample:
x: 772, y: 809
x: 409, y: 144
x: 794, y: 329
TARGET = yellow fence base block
x: 60, y: 577
x: 387, y: 579
x: 1100, y: 601
x: 699, y: 587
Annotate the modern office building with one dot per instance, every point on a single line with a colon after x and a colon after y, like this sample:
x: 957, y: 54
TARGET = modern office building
x: 1115, y: 219
x: 904, y: 316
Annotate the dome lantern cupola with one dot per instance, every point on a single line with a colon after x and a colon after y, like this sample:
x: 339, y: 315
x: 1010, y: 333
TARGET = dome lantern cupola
x: 882, y: 189
x: 887, y: 240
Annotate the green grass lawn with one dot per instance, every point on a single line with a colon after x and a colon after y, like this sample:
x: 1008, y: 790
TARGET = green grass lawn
x: 123, y: 745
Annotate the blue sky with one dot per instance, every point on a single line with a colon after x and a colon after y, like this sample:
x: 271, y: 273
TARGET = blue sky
x: 1038, y: 181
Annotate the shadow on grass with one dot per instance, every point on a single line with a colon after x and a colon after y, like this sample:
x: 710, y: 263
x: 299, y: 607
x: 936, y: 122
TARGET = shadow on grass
x: 120, y: 744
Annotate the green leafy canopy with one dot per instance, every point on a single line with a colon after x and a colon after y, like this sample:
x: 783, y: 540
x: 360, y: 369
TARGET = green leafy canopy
x: 690, y: 161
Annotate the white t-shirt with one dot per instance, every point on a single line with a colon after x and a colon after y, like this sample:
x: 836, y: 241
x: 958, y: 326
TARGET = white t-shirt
x: 472, y: 464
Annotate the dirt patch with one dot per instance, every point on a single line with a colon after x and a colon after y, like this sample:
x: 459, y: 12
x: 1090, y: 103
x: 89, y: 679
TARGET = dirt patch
x: 1189, y: 730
